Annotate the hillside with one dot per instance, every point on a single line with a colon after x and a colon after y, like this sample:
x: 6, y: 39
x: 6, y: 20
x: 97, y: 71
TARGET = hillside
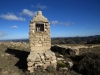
x: 13, y: 60
x: 77, y: 40
x: 66, y: 40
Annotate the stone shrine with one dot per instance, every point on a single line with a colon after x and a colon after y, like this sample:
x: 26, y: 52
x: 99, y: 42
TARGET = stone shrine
x: 40, y: 44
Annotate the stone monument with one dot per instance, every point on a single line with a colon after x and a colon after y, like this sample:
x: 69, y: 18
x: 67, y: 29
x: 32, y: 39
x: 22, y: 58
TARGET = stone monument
x: 40, y: 44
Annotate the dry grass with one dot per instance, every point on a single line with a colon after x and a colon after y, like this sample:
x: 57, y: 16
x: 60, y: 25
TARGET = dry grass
x: 10, y: 64
x: 13, y: 61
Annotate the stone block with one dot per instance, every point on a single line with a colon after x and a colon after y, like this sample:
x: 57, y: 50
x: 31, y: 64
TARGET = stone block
x: 40, y: 42
x: 46, y: 64
x: 30, y: 64
x: 37, y: 48
x: 53, y: 62
x: 60, y: 59
x: 53, y: 58
x: 42, y: 57
x: 38, y: 45
x: 41, y: 39
x: 38, y: 36
x: 70, y: 63
x: 39, y: 64
x: 30, y: 68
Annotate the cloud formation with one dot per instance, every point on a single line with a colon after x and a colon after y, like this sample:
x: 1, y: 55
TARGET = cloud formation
x: 62, y: 23
x: 54, y: 22
x: 14, y: 26
x: 39, y: 6
x: 10, y: 16
x: 67, y: 23
x: 3, y: 33
x: 28, y: 12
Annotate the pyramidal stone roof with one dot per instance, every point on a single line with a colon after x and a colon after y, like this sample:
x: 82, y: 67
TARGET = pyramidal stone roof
x: 39, y: 18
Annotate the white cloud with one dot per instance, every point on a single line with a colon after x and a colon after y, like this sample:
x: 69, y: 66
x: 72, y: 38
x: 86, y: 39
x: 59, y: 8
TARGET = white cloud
x: 3, y: 33
x: 62, y: 23
x: 54, y: 22
x: 39, y: 6
x: 10, y: 16
x: 28, y: 12
x: 67, y: 23
x: 14, y: 26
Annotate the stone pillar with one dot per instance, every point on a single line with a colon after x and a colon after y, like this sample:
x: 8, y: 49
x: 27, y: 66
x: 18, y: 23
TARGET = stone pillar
x: 40, y: 44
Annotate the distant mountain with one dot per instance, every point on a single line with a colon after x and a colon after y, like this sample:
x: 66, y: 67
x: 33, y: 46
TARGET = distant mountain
x: 77, y: 40
x: 96, y: 41
x: 15, y: 40
x: 66, y: 40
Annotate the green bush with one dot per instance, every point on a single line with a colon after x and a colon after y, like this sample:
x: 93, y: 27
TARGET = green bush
x: 61, y: 64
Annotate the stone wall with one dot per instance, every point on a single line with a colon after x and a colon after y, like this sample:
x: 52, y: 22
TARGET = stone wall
x: 41, y: 59
x: 39, y: 40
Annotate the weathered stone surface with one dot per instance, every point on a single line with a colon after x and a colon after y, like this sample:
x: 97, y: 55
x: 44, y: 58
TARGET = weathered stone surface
x: 42, y: 38
x: 70, y: 63
x: 60, y: 59
x: 30, y: 64
x: 63, y: 69
x: 40, y: 44
x: 44, y: 59
x: 39, y: 17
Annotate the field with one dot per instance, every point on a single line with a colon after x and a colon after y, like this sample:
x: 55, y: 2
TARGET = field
x: 13, y: 61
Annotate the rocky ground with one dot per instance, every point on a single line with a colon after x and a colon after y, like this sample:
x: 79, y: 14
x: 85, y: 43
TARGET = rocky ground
x: 13, y: 60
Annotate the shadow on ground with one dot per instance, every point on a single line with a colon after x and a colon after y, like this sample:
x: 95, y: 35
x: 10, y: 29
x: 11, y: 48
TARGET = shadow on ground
x: 21, y: 55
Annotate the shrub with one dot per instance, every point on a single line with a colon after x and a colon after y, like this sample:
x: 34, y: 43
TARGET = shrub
x: 61, y: 64
x: 51, y: 69
x: 89, y: 64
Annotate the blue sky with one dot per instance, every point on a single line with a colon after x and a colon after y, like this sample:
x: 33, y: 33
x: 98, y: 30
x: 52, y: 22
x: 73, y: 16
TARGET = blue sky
x: 68, y: 18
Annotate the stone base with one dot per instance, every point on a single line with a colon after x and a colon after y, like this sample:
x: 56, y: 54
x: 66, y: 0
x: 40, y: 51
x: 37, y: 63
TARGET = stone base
x: 41, y: 59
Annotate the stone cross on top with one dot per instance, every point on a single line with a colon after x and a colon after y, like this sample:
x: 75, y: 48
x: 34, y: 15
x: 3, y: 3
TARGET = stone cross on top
x: 39, y: 8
